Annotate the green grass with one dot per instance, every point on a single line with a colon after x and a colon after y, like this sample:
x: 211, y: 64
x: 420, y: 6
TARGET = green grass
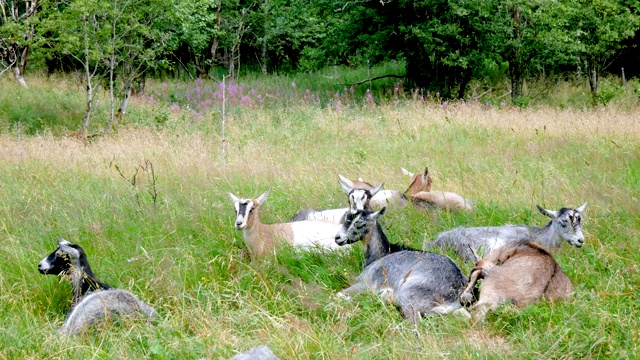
x: 180, y: 252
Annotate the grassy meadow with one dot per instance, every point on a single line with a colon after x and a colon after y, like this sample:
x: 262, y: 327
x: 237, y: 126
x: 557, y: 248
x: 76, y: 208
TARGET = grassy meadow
x: 149, y: 205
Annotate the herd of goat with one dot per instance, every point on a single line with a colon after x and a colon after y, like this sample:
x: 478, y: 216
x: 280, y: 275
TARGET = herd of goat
x: 513, y: 261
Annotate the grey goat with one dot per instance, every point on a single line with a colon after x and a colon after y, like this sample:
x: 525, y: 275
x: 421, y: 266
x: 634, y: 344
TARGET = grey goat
x: 565, y: 224
x: 92, y: 299
x: 417, y: 282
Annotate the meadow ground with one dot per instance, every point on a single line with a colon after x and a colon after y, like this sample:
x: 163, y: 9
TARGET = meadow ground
x: 149, y: 205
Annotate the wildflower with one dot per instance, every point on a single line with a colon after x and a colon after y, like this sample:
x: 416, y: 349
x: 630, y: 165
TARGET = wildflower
x: 293, y: 85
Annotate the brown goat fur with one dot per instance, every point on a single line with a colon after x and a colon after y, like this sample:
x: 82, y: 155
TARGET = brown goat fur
x: 418, y: 182
x: 522, y: 273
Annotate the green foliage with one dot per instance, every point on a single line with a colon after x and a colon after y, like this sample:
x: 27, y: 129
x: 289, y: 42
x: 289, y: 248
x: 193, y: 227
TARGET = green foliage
x: 608, y: 90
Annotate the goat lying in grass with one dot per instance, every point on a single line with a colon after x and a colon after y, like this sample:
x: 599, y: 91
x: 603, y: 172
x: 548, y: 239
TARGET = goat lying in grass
x: 359, y: 198
x: 418, y: 182
x: 422, y: 196
x: 565, y: 224
x: 522, y: 273
x: 92, y: 299
x: 262, y: 239
x: 379, y: 198
x: 417, y: 282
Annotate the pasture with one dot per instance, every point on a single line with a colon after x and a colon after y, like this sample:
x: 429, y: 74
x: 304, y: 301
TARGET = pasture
x: 149, y: 205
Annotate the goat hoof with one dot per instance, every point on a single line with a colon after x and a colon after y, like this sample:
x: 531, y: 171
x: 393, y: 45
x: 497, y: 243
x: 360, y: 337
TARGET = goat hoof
x: 466, y: 298
x: 343, y: 296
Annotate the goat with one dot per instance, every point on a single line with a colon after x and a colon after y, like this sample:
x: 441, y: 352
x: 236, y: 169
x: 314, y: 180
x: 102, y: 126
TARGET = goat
x: 422, y: 196
x: 417, y: 282
x: 565, y: 224
x: 262, y: 238
x: 522, y: 272
x: 418, y: 182
x: 92, y: 299
x: 359, y: 198
x: 381, y: 198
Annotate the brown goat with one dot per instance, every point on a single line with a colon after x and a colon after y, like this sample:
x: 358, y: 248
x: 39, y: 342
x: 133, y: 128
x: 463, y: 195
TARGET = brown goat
x: 418, y: 182
x: 421, y: 195
x: 522, y: 273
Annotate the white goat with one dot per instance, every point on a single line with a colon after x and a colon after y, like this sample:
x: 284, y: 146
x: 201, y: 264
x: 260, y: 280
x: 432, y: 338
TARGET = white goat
x: 565, y: 224
x: 433, y: 199
x: 521, y: 273
x: 92, y: 300
x: 262, y: 239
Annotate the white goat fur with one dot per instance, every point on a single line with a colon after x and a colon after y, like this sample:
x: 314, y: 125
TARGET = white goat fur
x: 382, y: 198
x: 262, y: 239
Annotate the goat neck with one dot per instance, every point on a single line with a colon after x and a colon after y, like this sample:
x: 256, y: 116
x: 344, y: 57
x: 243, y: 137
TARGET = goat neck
x: 418, y: 182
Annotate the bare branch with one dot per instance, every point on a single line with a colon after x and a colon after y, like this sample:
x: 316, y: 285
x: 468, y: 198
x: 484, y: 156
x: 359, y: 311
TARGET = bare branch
x: 377, y: 78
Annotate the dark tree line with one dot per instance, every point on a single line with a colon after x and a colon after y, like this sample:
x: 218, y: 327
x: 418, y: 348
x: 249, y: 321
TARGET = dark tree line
x: 445, y: 44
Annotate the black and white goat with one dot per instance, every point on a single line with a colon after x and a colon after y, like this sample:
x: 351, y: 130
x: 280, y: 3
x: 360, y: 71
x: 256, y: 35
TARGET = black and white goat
x: 379, y: 198
x: 360, y: 194
x: 417, y: 282
x: 92, y: 299
x: 565, y: 224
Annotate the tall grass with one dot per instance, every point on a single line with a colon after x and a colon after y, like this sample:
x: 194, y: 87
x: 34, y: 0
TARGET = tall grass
x: 170, y: 238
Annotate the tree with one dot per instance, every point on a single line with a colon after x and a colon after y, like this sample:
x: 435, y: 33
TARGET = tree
x: 17, y: 30
x: 137, y: 38
x: 601, y: 26
x: 115, y: 41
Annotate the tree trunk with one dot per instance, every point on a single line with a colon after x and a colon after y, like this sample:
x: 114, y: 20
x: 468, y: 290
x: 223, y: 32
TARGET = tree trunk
x: 216, y: 40
x: 263, y: 46
x: 515, y: 74
x: 515, y: 62
x: 593, y: 80
x: 124, y: 105
x: 87, y: 112
x: 18, y: 76
x: 466, y: 79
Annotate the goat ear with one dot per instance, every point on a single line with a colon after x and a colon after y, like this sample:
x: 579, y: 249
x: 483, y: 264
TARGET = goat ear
x: 378, y: 213
x: 262, y: 198
x: 425, y: 175
x: 345, y: 188
x: 581, y: 208
x: 233, y: 198
x: 346, y: 181
x: 67, y: 247
x: 406, y: 172
x: 62, y: 241
x: 550, y: 213
x: 376, y: 189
